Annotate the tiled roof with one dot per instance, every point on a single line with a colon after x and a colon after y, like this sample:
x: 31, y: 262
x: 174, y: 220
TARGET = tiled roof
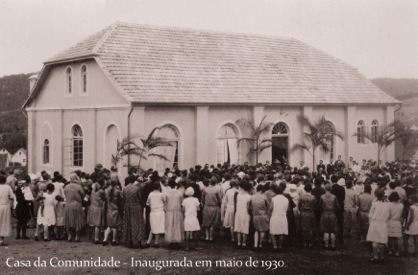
x: 172, y: 65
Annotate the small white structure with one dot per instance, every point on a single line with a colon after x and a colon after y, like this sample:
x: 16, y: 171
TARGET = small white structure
x: 20, y: 157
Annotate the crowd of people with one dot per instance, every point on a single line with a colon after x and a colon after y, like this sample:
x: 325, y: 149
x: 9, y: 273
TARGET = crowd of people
x: 262, y: 206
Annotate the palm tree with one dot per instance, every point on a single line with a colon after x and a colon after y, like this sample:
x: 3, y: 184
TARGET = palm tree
x: 320, y: 134
x: 256, y: 141
x: 385, y: 136
x: 128, y: 146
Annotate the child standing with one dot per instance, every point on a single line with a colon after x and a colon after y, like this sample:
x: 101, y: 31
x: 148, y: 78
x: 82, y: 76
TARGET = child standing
x: 411, y: 226
x: 156, y: 201
x: 46, y: 216
x: 395, y: 223
x: 22, y: 212
x: 191, y: 206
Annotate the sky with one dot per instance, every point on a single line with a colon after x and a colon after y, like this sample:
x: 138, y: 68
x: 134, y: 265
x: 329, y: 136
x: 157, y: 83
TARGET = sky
x: 378, y: 37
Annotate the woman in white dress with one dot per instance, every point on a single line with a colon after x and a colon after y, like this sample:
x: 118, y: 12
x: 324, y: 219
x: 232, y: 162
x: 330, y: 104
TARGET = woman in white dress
x: 191, y: 224
x: 242, y: 213
x: 156, y: 201
x: 6, y: 200
x: 278, y: 219
x: 378, y: 229
x: 228, y: 208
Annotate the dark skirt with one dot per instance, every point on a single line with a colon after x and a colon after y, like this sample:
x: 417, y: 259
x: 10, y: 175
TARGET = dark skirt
x: 363, y: 221
x: 328, y: 222
x: 23, y: 212
x: 133, y: 225
x: 261, y: 222
x: 307, y: 221
x: 211, y: 216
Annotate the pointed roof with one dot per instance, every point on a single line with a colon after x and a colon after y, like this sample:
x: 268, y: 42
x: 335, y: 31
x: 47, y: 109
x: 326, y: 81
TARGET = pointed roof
x: 152, y: 64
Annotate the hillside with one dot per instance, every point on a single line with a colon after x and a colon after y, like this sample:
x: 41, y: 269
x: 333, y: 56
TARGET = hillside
x: 14, y: 90
x: 401, y: 89
x: 405, y: 90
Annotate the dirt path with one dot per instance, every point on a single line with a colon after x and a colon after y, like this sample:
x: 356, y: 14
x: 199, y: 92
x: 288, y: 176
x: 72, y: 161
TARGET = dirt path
x: 220, y: 257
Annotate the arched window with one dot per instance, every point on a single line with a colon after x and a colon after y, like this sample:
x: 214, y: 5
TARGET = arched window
x: 170, y: 134
x: 226, y: 145
x: 280, y: 129
x: 84, y: 78
x: 69, y: 82
x: 45, y: 150
x: 77, y: 146
x: 280, y: 143
x: 375, y: 130
x: 361, y: 132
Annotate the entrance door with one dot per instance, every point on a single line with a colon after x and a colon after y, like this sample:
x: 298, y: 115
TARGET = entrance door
x: 280, y: 143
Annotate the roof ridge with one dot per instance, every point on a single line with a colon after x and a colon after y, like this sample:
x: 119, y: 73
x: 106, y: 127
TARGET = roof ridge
x: 190, y: 29
x: 55, y: 57
x: 355, y: 70
x: 104, y: 37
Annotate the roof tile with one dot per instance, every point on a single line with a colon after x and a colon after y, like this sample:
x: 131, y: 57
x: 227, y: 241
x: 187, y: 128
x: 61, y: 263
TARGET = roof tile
x: 174, y: 65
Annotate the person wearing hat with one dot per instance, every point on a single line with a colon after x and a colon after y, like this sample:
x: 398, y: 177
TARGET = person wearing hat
x: 378, y: 230
x: 191, y: 206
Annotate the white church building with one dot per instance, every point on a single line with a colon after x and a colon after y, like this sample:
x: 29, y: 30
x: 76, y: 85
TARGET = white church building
x: 128, y: 79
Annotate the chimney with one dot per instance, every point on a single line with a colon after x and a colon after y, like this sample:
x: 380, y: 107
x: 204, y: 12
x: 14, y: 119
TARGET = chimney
x: 32, y: 81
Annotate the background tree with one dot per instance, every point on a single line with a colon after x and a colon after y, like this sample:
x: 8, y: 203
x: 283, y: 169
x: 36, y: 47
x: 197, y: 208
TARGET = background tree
x: 320, y: 134
x: 385, y: 136
x: 129, y: 146
x: 256, y: 141
x: 408, y: 143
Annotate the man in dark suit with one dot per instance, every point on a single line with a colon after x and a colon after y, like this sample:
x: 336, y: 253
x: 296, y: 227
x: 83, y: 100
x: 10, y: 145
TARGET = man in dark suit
x: 339, y: 164
x: 339, y: 192
x: 320, y: 165
x: 330, y: 168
